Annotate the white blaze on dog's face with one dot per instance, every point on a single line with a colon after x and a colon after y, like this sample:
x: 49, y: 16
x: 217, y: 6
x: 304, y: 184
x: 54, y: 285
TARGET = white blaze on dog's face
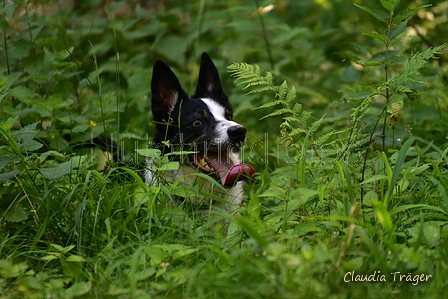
x: 221, y: 128
x: 223, y: 124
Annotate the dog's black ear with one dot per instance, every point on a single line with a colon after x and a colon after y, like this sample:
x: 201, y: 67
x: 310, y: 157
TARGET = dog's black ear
x: 209, y: 83
x: 166, y: 90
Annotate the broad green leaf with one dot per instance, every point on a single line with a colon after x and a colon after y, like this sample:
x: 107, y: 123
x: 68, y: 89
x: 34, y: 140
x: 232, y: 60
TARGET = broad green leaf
x: 398, y: 30
x: 149, y: 152
x: 419, y: 170
x: 8, y: 175
x: 2, y: 95
x: 64, y: 119
x: 77, y: 289
x: 431, y: 232
x: 138, y: 82
x: 9, y: 123
x: 377, y: 177
x: 25, y: 134
x: 300, y: 196
x: 156, y: 254
x: 75, y: 258
x: 380, y: 15
x: 64, y: 53
x: 371, y: 63
x: 274, y: 192
x: 181, y: 153
x: 57, y: 247
x: 59, y: 143
x: 67, y: 249
x: 80, y: 128
x: 142, y: 196
x: 5, y: 160
x: 42, y: 107
x: 56, y: 172
x: 354, y: 263
x: 49, y: 257
x: 15, y: 213
x: 45, y: 155
x: 383, y: 215
x: 145, y: 273
x: 370, y: 197
x: 181, y: 253
x: 408, y: 13
x: 389, y: 5
x: 8, y: 269
x: 251, y: 229
x: 350, y: 74
x: 30, y: 146
x: 173, y: 165
x: 184, y: 191
x: 49, y: 57
x: 116, y: 290
x: 377, y: 36
x: 22, y: 93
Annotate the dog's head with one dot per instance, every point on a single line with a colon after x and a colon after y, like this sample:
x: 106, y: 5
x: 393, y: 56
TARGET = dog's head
x: 202, y: 123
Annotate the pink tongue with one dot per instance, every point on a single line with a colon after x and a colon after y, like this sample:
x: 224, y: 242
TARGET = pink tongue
x: 227, y: 171
x: 237, y: 173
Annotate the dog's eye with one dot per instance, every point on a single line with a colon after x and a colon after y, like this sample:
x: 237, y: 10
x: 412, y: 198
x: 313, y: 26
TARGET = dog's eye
x: 229, y: 117
x: 197, y: 123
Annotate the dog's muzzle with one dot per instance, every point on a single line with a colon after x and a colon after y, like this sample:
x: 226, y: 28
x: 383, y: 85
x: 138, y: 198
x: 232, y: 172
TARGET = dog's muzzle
x: 219, y: 163
x: 237, y: 134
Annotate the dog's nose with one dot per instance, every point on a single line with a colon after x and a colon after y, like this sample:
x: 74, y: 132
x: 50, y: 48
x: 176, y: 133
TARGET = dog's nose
x: 237, y: 133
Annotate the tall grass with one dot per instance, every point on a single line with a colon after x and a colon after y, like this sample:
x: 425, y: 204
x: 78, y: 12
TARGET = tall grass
x: 337, y: 197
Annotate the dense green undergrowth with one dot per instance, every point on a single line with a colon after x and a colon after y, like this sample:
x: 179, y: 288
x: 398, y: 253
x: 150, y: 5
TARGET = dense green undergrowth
x: 346, y: 129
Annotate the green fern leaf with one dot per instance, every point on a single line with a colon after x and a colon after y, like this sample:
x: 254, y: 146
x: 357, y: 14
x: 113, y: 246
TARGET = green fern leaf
x: 282, y: 90
x: 278, y: 112
x: 316, y: 125
x: 296, y: 131
x: 323, y: 139
x: 251, y: 77
x: 291, y: 95
x: 270, y: 104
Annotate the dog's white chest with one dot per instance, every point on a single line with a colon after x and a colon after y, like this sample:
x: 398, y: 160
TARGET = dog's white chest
x: 187, y: 176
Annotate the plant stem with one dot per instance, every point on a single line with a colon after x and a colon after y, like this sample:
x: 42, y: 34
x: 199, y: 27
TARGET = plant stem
x: 265, y: 34
x: 366, y: 155
x: 386, y: 77
x: 4, y: 40
x: 387, y: 96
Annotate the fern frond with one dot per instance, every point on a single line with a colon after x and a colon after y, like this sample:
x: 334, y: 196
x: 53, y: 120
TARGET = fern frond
x: 250, y: 76
x: 260, y: 89
x: 291, y: 95
x: 419, y: 60
x: 316, y: 125
x: 278, y: 112
x: 292, y: 119
x: 295, y: 132
x: 411, y: 66
x: 361, y: 110
x: 282, y: 90
x: 323, y: 139
x: 304, y: 116
x: 270, y: 104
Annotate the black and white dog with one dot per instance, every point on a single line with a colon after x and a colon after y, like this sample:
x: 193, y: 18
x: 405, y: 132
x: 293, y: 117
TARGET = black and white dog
x: 203, y: 125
